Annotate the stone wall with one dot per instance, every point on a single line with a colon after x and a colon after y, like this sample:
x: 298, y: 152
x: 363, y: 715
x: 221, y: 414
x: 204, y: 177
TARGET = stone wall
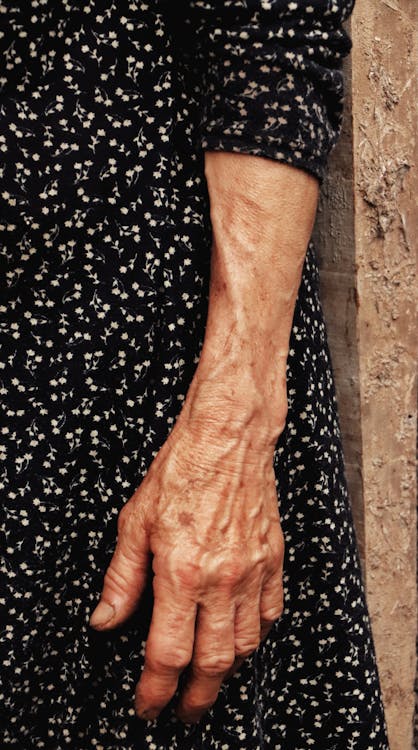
x: 365, y: 233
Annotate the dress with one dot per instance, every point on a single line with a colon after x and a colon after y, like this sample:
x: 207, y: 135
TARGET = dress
x: 105, y: 111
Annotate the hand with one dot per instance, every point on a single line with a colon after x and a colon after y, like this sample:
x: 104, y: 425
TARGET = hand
x: 207, y: 510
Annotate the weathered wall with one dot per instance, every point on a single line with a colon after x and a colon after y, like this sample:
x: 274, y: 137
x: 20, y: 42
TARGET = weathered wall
x: 366, y: 233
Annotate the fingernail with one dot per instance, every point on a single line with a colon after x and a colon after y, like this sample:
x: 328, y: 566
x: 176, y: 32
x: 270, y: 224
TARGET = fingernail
x: 187, y: 719
x: 148, y: 714
x: 102, y: 614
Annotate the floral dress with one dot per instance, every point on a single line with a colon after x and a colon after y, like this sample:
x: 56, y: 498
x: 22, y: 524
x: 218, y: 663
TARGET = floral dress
x: 106, y: 109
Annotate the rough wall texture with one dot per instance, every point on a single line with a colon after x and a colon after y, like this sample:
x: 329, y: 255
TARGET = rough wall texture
x: 366, y: 232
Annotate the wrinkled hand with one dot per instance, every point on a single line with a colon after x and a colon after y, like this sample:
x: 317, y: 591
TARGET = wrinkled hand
x: 207, y: 510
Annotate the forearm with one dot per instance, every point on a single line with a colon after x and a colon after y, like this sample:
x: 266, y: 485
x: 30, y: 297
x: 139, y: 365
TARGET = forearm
x: 262, y: 214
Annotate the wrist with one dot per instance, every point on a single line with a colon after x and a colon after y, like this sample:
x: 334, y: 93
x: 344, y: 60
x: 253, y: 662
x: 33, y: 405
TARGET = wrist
x: 234, y: 407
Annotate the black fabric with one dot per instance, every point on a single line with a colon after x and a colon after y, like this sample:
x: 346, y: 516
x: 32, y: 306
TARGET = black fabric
x: 272, y: 77
x: 105, y: 243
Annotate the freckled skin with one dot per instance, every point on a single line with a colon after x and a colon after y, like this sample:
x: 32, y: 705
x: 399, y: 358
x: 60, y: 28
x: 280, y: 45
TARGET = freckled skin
x: 207, y: 511
x: 186, y: 519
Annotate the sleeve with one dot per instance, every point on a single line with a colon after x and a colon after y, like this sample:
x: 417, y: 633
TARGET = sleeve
x: 272, y: 80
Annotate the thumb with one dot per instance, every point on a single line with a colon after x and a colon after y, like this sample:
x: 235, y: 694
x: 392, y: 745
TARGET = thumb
x: 126, y: 576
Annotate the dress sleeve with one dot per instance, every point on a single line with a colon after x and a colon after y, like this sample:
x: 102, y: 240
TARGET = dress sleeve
x: 272, y: 77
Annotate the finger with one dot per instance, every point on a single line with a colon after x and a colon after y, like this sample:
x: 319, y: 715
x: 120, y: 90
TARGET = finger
x: 247, y: 624
x: 126, y: 575
x: 213, y: 655
x: 271, y: 602
x: 247, y: 630
x: 168, y: 651
x: 271, y: 608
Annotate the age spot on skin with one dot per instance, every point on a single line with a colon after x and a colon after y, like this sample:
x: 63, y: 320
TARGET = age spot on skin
x: 185, y: 519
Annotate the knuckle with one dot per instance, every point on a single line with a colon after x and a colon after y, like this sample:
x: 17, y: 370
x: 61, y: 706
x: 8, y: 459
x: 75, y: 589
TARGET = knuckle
x: 244, y: 648
x: 232, y: 573
x: 123, y: 516
x: 131, y: 517
x: 173, y: 661
x: 272, y: 614
x: 188, y: 576
x: 275, y: 563
x: 127, y: 528
x: 214, y: 666
x: 182, y: 568
x: 116, y: 581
